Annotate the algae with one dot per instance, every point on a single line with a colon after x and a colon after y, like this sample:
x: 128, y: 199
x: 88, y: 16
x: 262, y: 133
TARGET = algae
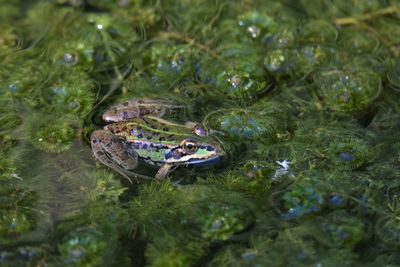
x: 305, y: 96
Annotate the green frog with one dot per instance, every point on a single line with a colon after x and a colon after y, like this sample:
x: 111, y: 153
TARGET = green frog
x: 137, y: 132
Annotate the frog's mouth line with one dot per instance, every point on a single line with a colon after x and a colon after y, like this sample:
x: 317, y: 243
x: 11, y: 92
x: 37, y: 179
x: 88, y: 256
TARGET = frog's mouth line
x: 201, y: 162
x: 212, y: 157
x: 204, y: 162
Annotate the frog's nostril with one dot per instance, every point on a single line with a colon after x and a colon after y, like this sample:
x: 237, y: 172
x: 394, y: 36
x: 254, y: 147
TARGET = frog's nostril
x: 210, y: 148
x: 200, y: 131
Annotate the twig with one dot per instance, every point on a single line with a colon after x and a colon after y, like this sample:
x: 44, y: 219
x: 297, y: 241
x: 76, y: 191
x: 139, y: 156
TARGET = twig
x: 362, y: 22
x: 368, y: 16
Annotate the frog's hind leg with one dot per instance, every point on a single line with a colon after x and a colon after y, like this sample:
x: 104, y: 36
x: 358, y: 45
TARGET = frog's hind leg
x: 111, y: 151
x: 136, y: 108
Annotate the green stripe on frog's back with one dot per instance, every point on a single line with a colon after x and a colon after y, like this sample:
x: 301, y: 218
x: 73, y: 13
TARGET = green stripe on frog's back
x: 159, y: 125
x: 149, y: 128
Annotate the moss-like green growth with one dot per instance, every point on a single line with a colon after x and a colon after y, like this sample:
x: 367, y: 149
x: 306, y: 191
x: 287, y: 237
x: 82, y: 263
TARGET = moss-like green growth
x: 351, y: 153
x: 302, y: 97
x: 72, y: 93
x: 17, y: 216
x: 7, y: 166
x: 221, y: 222
x: 82, y: 247
x: 50, y: 135
x: 24, y: 255
x: 344, y: 230
x: 300, y: 201
x: 348, y: 92
x: 251, y: 177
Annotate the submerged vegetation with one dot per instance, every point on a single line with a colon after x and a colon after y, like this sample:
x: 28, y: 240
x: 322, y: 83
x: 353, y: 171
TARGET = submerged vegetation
x: 305, y: 95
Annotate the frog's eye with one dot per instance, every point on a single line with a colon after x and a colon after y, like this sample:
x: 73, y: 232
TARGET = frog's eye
x: 189, y: 146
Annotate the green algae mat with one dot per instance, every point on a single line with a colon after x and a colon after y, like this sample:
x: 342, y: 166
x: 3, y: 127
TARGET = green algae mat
x: 284, y: 150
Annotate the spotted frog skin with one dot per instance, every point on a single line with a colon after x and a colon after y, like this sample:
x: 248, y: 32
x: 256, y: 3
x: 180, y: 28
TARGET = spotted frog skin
x: 137, y: 132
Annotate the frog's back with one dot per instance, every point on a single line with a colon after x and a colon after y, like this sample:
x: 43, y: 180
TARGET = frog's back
x: 136, y: 108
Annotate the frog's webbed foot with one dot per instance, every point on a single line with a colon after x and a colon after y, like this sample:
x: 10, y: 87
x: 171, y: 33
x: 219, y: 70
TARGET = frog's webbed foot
x: 113, y: 152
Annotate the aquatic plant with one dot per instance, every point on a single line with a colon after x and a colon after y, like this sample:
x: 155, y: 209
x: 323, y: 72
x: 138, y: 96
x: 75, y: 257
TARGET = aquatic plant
x: 51, y: 137
x: 251, y: 177
x: 17, y: 216
x: 348, y: 92
x: 302, y: 97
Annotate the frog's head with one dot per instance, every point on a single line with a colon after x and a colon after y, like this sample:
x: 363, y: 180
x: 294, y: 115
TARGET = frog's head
x: 159, y: 142
x: 193, y: 152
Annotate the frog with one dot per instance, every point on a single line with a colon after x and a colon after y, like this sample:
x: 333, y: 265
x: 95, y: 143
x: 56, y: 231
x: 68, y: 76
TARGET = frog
x: 136, y: 131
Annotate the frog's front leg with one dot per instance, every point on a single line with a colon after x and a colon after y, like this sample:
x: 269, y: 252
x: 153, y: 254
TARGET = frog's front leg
x: 163, y: 172
x: 113, y: 152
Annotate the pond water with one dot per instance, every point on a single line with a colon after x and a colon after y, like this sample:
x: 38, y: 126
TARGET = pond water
x: 263, y: 133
